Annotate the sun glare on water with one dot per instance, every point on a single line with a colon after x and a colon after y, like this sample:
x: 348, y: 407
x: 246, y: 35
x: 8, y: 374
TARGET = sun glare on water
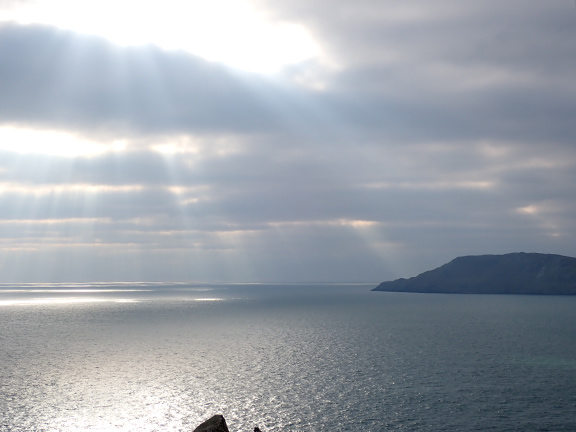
x: 227, y: 31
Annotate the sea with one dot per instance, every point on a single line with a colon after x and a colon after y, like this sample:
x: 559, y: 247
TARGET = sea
x: 300, y: 357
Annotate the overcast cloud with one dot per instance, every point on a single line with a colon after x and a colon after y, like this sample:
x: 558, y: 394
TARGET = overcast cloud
x: 421, y: 132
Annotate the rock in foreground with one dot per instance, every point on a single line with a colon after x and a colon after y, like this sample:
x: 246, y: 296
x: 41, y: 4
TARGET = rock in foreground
x: 514, y: 273
x: 213, y: 424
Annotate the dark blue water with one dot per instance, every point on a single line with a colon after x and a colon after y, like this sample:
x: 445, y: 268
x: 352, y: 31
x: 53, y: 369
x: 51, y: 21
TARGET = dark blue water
x: 144, y: 357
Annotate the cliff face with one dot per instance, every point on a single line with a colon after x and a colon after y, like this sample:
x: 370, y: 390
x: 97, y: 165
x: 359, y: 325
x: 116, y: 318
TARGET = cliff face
x: 515, y: 273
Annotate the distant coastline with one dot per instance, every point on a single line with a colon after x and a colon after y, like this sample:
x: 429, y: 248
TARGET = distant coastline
x: 513, y: 273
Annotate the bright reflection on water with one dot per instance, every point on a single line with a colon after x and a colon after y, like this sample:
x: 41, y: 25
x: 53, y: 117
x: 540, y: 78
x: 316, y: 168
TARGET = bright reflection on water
x: 299, y: 358
x: 66, y: 300
x: 69, y: 290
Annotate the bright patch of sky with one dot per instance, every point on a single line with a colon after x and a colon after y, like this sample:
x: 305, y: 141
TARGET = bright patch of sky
x: 55, y: 143
x: 228, y: 31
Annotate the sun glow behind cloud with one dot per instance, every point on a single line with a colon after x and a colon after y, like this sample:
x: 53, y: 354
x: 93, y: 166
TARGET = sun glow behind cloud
x: 227, y: 31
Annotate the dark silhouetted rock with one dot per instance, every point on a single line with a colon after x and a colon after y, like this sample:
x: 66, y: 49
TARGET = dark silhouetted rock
x: 213, y: 424
x: 514, y: 273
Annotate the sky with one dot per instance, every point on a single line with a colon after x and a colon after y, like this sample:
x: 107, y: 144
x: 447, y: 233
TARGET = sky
x: 282, y: 140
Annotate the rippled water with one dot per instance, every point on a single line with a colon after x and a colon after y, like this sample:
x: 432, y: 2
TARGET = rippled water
x: 146, y: 357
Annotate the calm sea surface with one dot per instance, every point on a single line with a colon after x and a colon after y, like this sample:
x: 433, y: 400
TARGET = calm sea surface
x: 164, y: 357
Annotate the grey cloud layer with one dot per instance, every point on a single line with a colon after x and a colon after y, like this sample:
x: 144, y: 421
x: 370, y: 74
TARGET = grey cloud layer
x: 62, y: 79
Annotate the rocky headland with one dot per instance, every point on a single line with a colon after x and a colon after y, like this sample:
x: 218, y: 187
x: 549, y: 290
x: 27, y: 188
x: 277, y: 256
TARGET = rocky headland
x: 216, y: 423
x: 514, y: 273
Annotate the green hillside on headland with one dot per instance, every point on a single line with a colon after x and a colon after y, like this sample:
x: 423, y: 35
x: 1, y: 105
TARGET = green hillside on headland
x: 514, y: 273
